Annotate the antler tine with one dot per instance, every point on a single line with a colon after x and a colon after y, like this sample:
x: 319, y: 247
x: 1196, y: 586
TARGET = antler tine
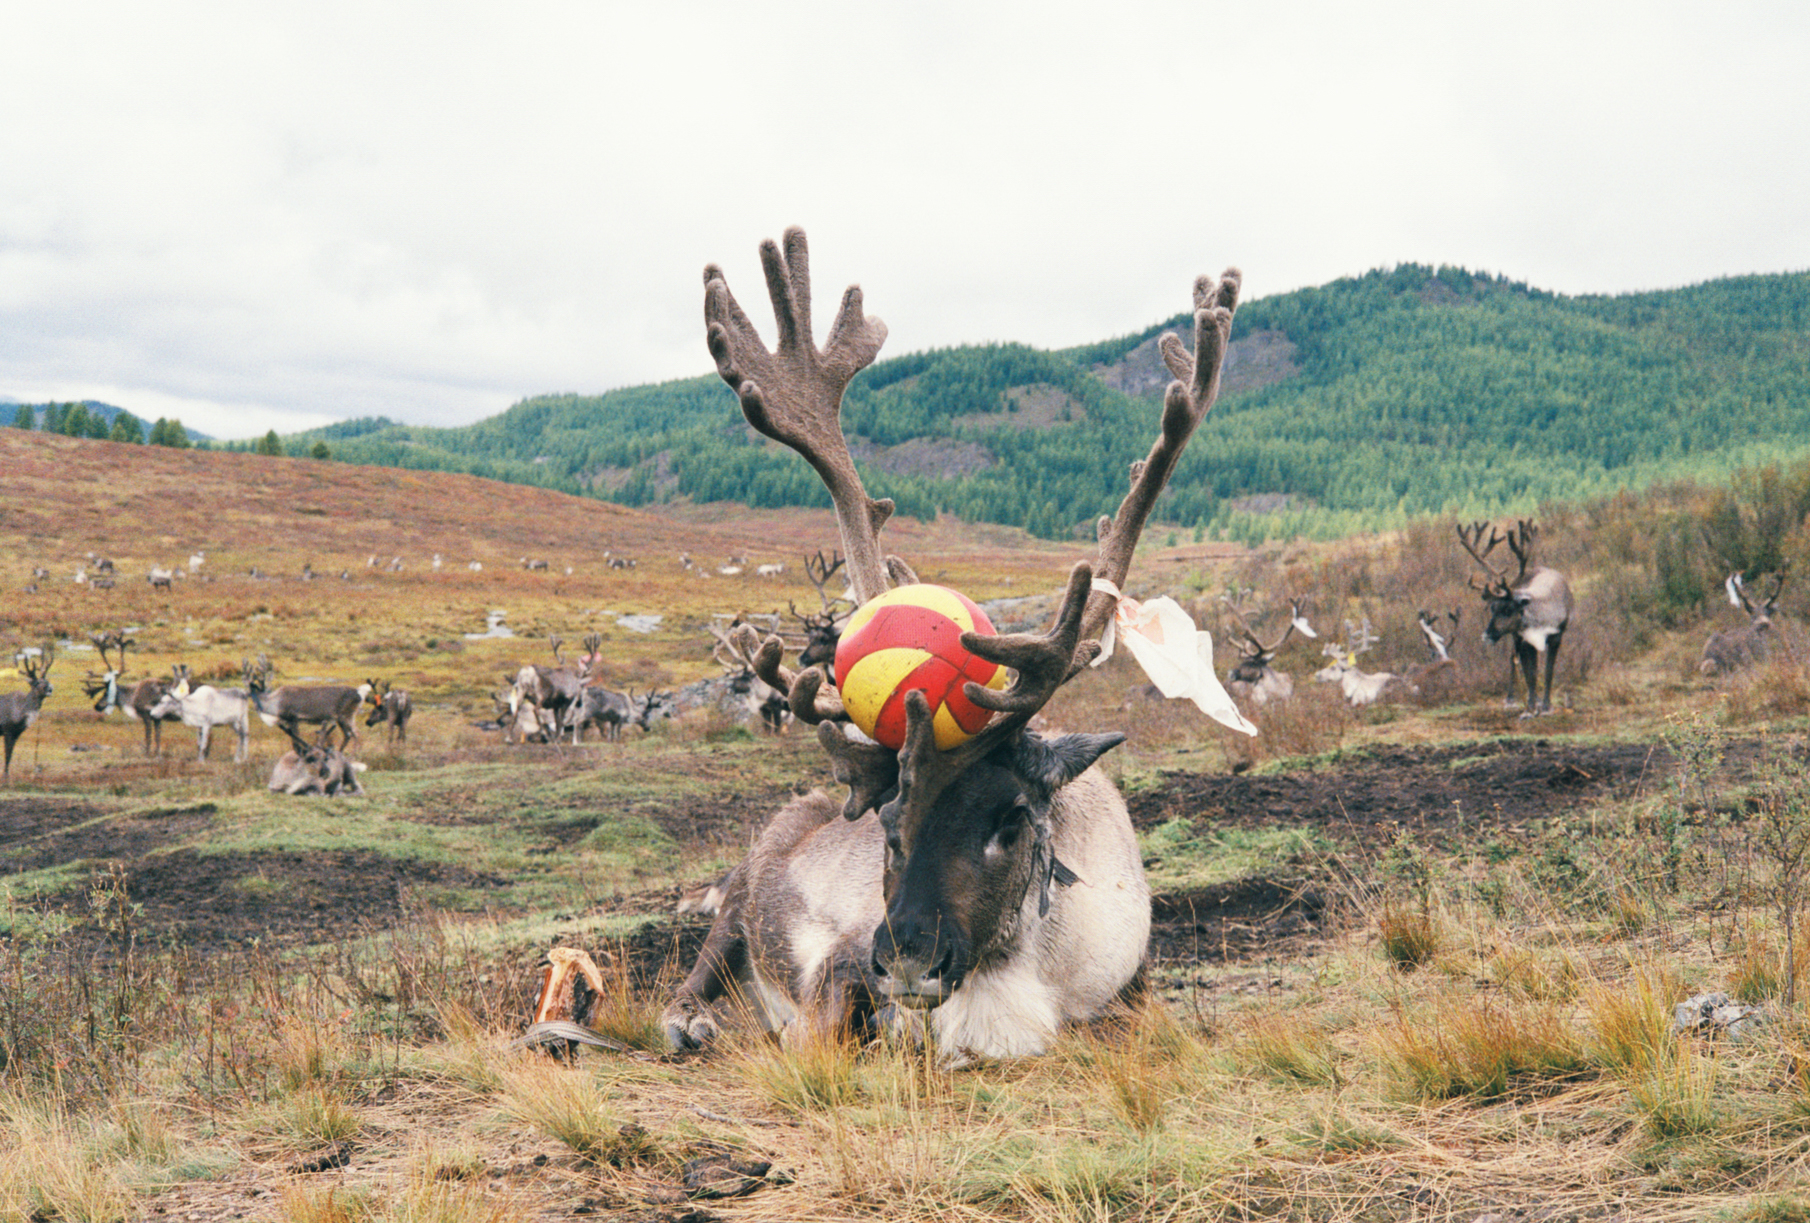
x: 1185, y: 404
x: 806, y: 693
x: 794, y: 393
x: 1471, y: 537
x: 1520, y: 542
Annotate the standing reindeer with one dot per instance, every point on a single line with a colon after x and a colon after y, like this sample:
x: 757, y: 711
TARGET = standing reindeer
x: 1532, y: 607
x: 596, y: 705
x: 552, y: 689
x: 325, y: 705
x: 1736, y: 649
x: 19, y: 710
x: 136, y: 700
x: 998, y: 885
x: 1255, y: 677
x: 206, y: 707
x: 392, y: 707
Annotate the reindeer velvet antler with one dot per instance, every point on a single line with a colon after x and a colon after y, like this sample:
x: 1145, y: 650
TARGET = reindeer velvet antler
x: 793, y: 394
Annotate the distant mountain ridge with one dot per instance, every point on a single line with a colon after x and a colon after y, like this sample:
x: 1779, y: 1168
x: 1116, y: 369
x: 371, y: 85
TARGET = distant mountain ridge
x: 1352, y: 406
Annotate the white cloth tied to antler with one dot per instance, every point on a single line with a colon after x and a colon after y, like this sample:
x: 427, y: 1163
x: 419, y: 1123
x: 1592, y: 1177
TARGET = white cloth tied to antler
x: 1177, y: 656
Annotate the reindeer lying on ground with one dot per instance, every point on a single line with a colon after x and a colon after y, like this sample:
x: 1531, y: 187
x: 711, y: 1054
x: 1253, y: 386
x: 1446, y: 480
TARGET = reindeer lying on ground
x: 1361, y: 688
x: 1736, y: 649
x: 392, y: 707
x: 1434, y: 679
x: 822, y: 629
x: 996, y: 886
x: 19, y: 710
x: 1533, y: 608
x: 1255, y: 677
x: 766, y: 702
x: 314, y: 768
x: 134, y: 700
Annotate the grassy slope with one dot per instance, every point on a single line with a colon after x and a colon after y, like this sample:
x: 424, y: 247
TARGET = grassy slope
x: 1314, y: 1087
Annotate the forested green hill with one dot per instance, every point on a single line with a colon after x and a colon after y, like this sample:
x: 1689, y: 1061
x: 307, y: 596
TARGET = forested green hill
x: 1352, y: 406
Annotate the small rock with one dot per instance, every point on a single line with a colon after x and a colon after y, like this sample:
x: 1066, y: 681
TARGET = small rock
x: 1717, y: 1013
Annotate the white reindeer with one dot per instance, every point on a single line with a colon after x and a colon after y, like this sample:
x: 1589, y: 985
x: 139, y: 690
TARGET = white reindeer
x: 206, y: 707
x: 1360, y: 688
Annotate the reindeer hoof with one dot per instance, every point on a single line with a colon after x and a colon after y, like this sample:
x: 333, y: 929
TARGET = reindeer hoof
x: 687, y: 1030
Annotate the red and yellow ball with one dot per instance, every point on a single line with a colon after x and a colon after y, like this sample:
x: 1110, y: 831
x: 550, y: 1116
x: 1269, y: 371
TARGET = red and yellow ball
x: 909, y: 639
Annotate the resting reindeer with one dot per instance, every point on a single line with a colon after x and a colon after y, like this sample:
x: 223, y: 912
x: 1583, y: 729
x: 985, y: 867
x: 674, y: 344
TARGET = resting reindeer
x: 998, y: 884
x: 134, y: 700
x: 19, y: 710
x: 1255, y: 677
x: 392, y: 707
x: 206, y: 707
x: 766, y: 702
x: 1434, y: 679
x: 822, y: 629
x: 314, y: 768
x: 323, y: 705
x: 1360, y: 687
x: 1736, y: 649
x: 1533, y: 608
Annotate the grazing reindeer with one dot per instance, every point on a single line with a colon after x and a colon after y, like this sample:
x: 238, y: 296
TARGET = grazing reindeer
x: 554, y: 689
x: 135, y: 701
x: 1736, y: 649
x: 1360, y: 687
x: 1533, y: 608
x: 392, y: 707
x: 19, y: 710
x: 1255, y: 677
x: 160, y: 578
x: 822, y: 629
x: 997, y: 885
x: 325, y: 705
x: 772, y: 569
x: 314, y: 768
x: 206, y: 707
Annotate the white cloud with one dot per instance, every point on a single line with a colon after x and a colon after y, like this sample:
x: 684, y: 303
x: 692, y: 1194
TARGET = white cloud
x: 250, y: 215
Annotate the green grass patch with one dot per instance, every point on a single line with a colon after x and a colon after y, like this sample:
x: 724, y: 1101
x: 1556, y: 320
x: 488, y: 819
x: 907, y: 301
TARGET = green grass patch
x: 1183, y: 854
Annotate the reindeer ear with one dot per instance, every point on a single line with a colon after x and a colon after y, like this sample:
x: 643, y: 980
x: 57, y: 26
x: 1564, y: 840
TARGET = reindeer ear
x: 1050, y: 764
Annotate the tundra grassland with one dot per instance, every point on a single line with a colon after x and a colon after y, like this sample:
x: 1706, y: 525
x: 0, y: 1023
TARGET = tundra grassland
x: 1412, y: 961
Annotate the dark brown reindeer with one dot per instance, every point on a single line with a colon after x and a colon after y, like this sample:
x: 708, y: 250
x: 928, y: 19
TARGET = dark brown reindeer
x: 1255, y: 677
x: 1739, y: 648
x: 19, y: 710
x: 134, y: 700
x: 1533, y: 607
x: 324, y: 705
x: 997, y: 885
x: 392, y: 707
x: 822, y: 629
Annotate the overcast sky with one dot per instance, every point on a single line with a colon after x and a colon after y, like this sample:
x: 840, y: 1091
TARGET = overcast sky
x: 259, y: 215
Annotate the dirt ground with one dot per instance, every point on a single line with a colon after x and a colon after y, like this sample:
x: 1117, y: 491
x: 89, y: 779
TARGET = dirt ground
x: 203, y: 900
